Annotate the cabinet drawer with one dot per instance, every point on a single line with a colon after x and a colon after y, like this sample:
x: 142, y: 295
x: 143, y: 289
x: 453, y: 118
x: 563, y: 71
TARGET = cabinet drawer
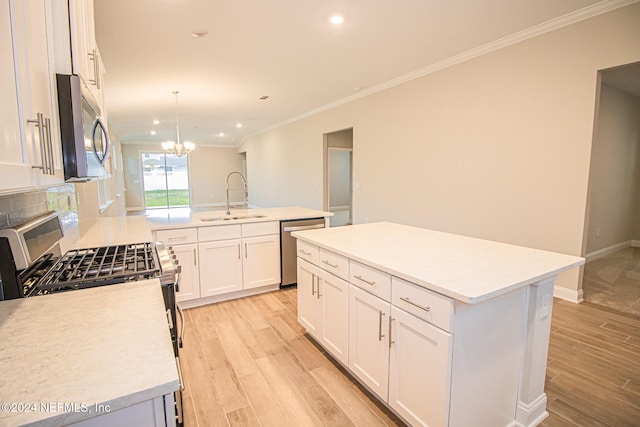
x: 221, y: 232
x: 308, y: 251
x: 177, y: 236
x: 430, y: 306
x: 260, y: 228
x: 334, y: 263
x: 370, y: 279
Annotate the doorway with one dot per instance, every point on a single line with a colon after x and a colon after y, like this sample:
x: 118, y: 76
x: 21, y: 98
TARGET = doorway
x: 165, y: 180
x: 338, y: 176
x: 611, y: 276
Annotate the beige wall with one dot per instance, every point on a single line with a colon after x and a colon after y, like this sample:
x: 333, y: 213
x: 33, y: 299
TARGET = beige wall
x: 497, y: 147
x: 615, y: 171
x: 208, y: 169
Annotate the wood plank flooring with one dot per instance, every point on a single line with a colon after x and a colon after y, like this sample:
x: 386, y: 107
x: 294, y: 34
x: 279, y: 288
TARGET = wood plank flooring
x: 248, y: 363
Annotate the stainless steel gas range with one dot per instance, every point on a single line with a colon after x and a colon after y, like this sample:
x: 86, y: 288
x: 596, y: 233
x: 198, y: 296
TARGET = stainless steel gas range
x: 32, y: 265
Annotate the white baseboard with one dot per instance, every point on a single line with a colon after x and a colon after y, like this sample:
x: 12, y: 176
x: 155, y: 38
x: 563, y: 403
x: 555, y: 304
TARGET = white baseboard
x: 532, y: 414
x: 135, y: 208
x: 571, y: 295
x: 611, y: 249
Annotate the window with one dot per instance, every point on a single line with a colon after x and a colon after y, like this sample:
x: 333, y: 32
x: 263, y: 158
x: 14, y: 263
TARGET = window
x: 165, y: 180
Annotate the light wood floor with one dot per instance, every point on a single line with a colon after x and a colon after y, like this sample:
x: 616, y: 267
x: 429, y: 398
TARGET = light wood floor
x: 247, y: 362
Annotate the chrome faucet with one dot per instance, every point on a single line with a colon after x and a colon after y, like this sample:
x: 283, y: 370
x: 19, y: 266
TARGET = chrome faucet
x: 246, y: 193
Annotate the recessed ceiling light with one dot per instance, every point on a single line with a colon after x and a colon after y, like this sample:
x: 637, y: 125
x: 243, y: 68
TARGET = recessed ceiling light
x: 153, y: 132
x: 198, y: 34
x: 238, y: 125
x: 156, y: 122
x: 336, y: 19
x: 221, y: 134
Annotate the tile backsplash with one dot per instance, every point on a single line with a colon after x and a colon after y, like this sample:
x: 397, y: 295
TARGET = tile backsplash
x: 15, y: 208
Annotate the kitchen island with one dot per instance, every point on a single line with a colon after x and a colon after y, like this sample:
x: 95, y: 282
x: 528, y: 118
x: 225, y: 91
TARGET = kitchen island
x: 98, y: 356
x: 446, y: 330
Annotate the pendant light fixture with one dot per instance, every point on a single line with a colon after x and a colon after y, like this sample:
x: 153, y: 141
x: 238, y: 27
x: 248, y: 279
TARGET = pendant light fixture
x: 178, y: 148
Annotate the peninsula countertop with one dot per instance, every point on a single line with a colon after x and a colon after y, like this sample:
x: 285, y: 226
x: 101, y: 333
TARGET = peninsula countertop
x: 107, y: 346
x: 467, y: 269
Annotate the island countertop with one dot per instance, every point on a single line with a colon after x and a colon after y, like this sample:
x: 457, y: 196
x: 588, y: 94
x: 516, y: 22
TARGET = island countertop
x: 108, y: 345
x: 467, y: 269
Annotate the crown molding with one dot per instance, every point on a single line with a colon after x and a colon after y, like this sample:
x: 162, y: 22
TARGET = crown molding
x: 537, y: 30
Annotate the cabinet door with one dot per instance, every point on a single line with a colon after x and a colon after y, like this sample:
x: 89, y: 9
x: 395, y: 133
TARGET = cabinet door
x: 368, y: 341
x: 261, y: 264
x: 220, y: 267
x: 36, y: 89
x: 15, y: 171
x: 308, y: 302
x: 334, y: 315
x: 187, y: 257
x: 419, y: 370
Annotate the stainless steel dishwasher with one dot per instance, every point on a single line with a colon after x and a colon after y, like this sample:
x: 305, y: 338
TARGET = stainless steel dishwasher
x: 288, y: 246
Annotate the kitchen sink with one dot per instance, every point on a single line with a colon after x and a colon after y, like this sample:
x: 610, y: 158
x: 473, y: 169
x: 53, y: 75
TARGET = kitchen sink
x: 232, y: 217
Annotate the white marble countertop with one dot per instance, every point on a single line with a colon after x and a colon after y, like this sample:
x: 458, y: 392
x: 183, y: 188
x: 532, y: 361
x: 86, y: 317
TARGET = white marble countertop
x: 176, y: 218
x: 467, y: 269
x: 108, y: 345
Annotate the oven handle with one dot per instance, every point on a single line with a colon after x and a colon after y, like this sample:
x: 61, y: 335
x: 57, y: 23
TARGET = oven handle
x: 181, y: 337
x: 179, y: 417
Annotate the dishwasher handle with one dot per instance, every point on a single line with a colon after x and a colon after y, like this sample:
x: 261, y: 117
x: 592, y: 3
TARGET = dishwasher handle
x: 304, y: 227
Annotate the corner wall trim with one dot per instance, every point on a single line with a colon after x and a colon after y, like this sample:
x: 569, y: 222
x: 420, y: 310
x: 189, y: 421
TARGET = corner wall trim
x: 571, y: 295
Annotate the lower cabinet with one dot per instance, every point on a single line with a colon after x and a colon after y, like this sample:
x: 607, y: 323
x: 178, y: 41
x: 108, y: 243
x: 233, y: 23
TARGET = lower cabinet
x: 368, y: 340
x: 419, y: 370
x: 187, y: 257
x: 220, y: 267
x: 323, y: 308
x: 261, y: 263
x: 398, y: 354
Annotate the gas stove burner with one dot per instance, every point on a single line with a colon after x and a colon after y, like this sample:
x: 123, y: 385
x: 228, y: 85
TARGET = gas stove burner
x: 83, y: 268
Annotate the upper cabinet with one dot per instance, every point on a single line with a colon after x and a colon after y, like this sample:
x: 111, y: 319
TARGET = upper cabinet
x: 86, y: 59
x: 32, y: 135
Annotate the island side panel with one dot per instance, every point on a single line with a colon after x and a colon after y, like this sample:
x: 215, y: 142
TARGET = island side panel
x: 487, y: 355
x: 532, y: 400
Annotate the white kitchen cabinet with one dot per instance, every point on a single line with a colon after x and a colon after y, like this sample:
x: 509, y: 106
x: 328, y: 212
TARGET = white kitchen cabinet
x: 323, y: 308
x: 261, y: 263
x: 35, y: 155
x: 187, y: 257
x: 308, y: 301
x: 368, y: 340
x: 14, y: 169
x: 220, y: 267
x: 333, y: 294
x: 86, y: 59
x: 419, y: 370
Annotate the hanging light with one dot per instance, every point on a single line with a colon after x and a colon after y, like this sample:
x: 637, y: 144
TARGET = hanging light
x: 178, y: 148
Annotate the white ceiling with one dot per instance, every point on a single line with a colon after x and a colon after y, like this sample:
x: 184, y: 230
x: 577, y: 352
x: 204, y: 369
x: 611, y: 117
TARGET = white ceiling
x: 285, y: 49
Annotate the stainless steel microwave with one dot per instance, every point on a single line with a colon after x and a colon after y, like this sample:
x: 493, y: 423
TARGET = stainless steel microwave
x: 85, y: 140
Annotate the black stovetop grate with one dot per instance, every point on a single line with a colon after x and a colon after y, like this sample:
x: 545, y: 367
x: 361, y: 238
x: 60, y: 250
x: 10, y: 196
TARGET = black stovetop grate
x: 82, y: 268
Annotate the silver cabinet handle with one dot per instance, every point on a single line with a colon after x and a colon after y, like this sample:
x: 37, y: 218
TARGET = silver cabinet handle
x: 304, y: 252
x: 372, y: 283
x: 303, y: 227
x: 318, y: 287
x: 313, y: 284
x: 195, y: 257
x: 391, y: 319
x: 380, y: 335
x: 93, y: 56
x: 169, y: 319
x: 421, y: 307
x: 246, y: 252
x: 39, y: 122
x: 238, y: 250
x: 47, y: 123
x: 177, y: 238
x: 324, y: 261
